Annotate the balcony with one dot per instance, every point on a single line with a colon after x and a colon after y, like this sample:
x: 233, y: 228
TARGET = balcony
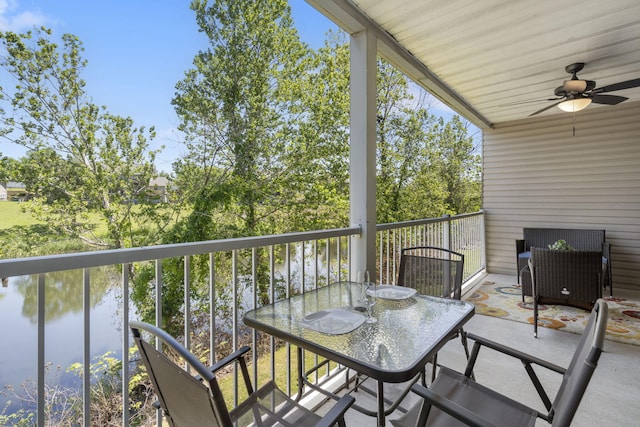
x: 238, y: 269
x: 537, y: 172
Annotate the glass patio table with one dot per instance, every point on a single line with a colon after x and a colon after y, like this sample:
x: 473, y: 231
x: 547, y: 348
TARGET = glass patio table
x: 408, y: 332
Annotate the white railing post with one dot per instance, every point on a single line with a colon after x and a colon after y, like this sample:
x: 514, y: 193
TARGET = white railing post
x: 125, y: 347
x: 86, y: 344
x: 41, y: 355
x: 446, y: 231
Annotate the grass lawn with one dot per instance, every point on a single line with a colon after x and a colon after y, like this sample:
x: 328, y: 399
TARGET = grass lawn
x: 21, y: 235
x: 12, y: 215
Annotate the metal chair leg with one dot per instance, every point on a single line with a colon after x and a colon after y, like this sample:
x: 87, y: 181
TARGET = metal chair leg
x: 463, y: 338
x: 435, y: 365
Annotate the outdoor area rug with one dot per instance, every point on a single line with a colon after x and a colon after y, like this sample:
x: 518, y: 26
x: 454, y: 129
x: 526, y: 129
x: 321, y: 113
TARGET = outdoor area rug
x: 505, y: 300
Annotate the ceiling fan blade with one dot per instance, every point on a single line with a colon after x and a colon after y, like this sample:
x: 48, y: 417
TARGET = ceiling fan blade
x: 618, y: 86
x: 590, y: 85
x: 545, y: 108
x: 559, y: 91
x: 608, y: 99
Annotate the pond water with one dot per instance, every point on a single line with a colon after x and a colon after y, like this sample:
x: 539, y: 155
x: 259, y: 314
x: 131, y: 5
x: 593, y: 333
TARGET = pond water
x: 63, y: 327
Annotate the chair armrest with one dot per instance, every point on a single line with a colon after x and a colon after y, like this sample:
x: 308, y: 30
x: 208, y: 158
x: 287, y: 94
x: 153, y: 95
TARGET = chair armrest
x: 520, y: 247
x: 236, y: 356
x: 527, y: 361
x: 337, y: 412
x: 524, y: 357
x: 230, y: 358
x: 448, y: 406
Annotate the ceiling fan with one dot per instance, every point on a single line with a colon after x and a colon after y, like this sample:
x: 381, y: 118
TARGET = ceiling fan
x: 576, y: 94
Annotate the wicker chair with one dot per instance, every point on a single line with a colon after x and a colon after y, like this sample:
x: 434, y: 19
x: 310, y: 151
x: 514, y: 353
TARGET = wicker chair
x: 579, y: 239
x: 565, y: 277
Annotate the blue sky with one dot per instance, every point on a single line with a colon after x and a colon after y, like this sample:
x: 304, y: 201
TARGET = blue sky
x: 137, y: 50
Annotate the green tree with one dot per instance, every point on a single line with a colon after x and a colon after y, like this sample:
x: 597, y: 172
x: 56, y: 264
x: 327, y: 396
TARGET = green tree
x: 457, y: 164
x: 407, y: 187
x: 320, y: 153
x: 235, y: 107
x: 82, y: 159
x: 414, y: 171
x: 8, y: 167
x: 426, y: 164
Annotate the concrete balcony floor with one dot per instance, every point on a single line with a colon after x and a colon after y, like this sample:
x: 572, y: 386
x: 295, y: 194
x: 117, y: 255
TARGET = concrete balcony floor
x: 611, y: 398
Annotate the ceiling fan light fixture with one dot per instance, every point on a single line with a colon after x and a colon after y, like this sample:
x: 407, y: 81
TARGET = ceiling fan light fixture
x: 577, y: 86
x: 576, y: 94
x: 575, y: 104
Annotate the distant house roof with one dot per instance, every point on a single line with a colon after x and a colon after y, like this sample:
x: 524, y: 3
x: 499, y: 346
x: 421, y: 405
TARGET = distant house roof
x: 12, y: 184
x: 160, y: 181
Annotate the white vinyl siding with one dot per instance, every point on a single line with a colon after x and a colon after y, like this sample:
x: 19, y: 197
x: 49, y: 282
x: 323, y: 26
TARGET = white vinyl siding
x: 537, y: 174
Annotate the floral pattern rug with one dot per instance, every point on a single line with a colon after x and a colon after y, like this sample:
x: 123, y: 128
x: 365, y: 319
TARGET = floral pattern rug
x: 505, y: 300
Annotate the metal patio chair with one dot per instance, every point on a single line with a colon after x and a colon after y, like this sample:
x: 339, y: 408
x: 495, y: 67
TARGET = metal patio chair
x: 189, y: 400
x: 436, y: 272
x: 455, y: 399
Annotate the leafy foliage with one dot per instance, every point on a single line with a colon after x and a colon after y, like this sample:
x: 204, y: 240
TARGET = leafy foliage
x: 561, y: 245
x: 63, y: 403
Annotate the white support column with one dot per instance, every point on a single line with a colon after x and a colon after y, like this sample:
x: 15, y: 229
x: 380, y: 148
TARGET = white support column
x: 363, y: 151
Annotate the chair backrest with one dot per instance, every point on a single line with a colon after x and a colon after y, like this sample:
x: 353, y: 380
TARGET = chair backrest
x: 579, y: 239
x: 432, y: 271
x: 186, y: 400
x: 567, y: 274
x: 580, y: 370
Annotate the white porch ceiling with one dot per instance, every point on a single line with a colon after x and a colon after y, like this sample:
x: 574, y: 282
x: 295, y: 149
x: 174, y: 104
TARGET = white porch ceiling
x: 500, y: 60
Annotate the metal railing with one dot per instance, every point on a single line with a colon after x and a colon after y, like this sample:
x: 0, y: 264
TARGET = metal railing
x: 248, y: 272
x: 460, y: 233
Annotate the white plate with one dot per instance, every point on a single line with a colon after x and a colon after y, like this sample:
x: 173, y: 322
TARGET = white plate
x: 391, y: 292
x: 333, y: 321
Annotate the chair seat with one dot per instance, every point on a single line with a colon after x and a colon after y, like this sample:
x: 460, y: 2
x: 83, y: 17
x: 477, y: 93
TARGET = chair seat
x: 524, y: 255
x: 493, y: 407
x: 268, y: 401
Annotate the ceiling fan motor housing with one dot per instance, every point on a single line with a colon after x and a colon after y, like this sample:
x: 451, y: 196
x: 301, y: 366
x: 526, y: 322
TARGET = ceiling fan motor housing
x: 575, y: 86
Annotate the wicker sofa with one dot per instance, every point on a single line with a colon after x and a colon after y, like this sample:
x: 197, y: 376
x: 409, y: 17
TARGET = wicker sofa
x: 579, y: 239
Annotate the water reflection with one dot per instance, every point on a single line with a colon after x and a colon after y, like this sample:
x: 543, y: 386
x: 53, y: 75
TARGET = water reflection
x: 63, y: 292
x: 63, y: 326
